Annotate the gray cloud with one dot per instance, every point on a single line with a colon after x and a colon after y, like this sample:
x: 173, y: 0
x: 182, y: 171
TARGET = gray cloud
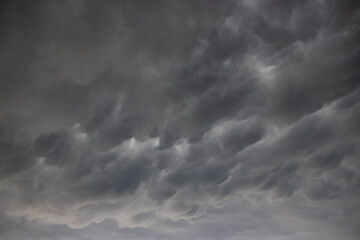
x: 179, y: 119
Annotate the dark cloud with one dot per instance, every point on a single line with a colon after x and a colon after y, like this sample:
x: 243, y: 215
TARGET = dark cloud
x: 179, y: 119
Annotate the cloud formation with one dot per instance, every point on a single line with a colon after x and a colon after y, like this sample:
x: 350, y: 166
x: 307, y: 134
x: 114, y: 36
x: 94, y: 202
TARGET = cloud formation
x: 179, y: 119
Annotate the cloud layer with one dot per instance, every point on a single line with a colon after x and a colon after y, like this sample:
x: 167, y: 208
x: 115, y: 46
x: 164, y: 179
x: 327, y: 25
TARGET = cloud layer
x: 179, y: 120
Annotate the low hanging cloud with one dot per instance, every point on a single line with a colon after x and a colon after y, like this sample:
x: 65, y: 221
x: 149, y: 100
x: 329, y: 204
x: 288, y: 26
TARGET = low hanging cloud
x: 179, y: 119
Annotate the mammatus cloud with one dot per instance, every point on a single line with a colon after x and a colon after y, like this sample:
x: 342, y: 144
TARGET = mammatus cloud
x: 179, y: 120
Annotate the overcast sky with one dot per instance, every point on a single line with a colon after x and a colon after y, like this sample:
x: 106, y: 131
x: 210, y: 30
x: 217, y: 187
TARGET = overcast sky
x: 180, y: 120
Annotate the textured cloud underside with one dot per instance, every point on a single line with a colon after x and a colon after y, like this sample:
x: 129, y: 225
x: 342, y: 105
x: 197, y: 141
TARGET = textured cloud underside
x: 180, y: 120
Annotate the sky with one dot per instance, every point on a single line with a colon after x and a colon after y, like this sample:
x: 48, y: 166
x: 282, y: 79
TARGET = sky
x: 180, y: 120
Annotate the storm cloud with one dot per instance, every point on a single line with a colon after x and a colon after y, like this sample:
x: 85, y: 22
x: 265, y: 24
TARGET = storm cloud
x: 171, y: 119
